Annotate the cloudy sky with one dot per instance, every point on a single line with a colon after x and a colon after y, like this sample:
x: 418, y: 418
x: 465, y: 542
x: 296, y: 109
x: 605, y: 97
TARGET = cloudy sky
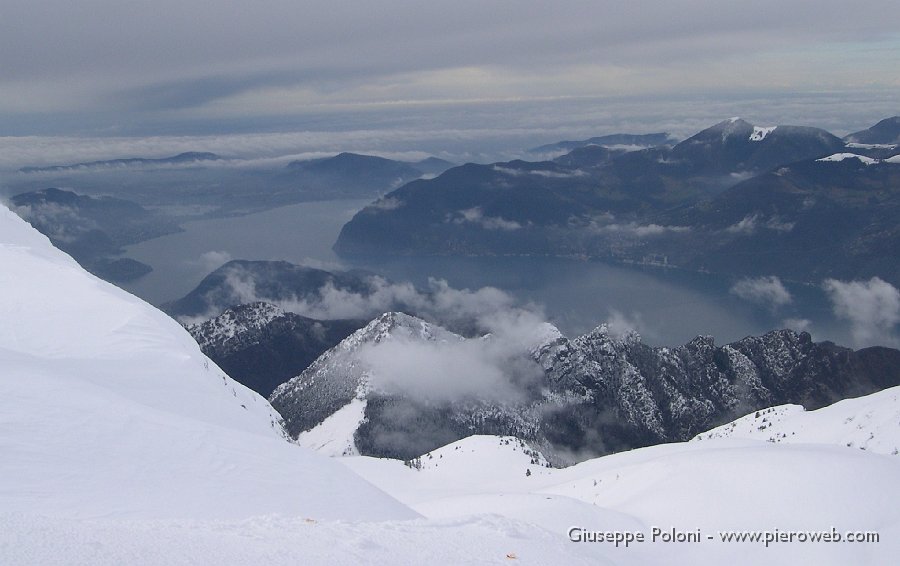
x: 167, y: 67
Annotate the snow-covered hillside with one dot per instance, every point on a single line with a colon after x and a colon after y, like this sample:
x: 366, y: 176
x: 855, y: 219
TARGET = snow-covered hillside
x: 120, y: 443
x: 708, y: 487
x: 869, y: 423
x: 110, y: 409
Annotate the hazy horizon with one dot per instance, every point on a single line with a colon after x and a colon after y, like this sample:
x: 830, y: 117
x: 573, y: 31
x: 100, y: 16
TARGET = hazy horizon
x: 468, y: 81
x: 486, y: 132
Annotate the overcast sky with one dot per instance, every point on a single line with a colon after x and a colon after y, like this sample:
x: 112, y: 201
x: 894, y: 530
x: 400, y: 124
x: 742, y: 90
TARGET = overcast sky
x: 114, y: 67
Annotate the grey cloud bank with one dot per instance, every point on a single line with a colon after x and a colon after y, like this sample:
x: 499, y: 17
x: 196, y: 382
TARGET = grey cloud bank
x: 479, y: 132
x: 107, y: 67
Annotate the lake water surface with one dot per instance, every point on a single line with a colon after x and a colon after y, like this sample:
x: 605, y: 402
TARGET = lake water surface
x: 301, y: 233
x: 668, y: 307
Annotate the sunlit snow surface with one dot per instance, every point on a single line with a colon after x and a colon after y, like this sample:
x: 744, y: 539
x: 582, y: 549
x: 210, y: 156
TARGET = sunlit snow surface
x: 334, y: 436
x: 711, y: 485
x: 109, y: 409
x: 120, y: 443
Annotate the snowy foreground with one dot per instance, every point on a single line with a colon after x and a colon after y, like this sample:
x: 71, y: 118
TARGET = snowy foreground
x: 120, y: 443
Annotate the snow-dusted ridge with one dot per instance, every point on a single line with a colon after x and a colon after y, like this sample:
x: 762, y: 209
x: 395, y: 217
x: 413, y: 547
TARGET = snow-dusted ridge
x: 870, y: 423
x: 227, y: 326
x: 401, y: 386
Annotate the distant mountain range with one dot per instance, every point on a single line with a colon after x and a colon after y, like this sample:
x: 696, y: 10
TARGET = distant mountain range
x: 197, y: 184
x: 93, y: 229
x: 594, y: 395
x: 350, y: 175
x: 885, y: 132
x: 663, y: 205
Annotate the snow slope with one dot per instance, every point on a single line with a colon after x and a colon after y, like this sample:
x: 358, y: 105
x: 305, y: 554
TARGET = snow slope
x: 120, y: 443
x: 869, y: 423
x: 109, y: 409
x: 334, y: 435
x: 710, y: 486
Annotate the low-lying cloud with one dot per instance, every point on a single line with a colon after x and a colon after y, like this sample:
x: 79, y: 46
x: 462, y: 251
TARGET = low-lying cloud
x: 606, y: 224
x: 797, y: 324
x: 439, y: 302
x: 465, y: 310
x: 61, y: 223
x: 746, y: 225
x: 621, y: 325
x: 213, y: 259
x: 750, y: 223
x: 476, y: 216
x: 767, y: 291
x: 539, y: 172
x: 872, y: 307
x: 639, y: 230
x: 497, y: 367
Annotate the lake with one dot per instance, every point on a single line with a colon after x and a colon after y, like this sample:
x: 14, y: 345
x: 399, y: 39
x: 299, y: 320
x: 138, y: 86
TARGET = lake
x: 301, y: 233
x: 667, y: 306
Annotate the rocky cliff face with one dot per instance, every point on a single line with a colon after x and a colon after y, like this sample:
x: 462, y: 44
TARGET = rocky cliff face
x: 633, y: 394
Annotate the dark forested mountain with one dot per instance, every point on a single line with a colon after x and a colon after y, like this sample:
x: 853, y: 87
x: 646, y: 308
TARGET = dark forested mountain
x: 885, y: 132
x: 433, y: 165
x: 593, y: 395
x: 93, y: 229
x: 203, y: 185
x: 631, y: 393
x: 351, y: 174
x: 806, y: 221
x: 734, y: 198
x: 736, y: 146
x: 240, y: 281
x: 262, y: 346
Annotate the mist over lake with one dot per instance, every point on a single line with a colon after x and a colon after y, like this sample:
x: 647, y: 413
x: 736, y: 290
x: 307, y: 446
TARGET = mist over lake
x: 667, y: 306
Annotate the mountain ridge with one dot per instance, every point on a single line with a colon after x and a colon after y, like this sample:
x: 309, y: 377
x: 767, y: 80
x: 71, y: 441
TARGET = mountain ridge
x: 654, y: 207
x: 596, y: 394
